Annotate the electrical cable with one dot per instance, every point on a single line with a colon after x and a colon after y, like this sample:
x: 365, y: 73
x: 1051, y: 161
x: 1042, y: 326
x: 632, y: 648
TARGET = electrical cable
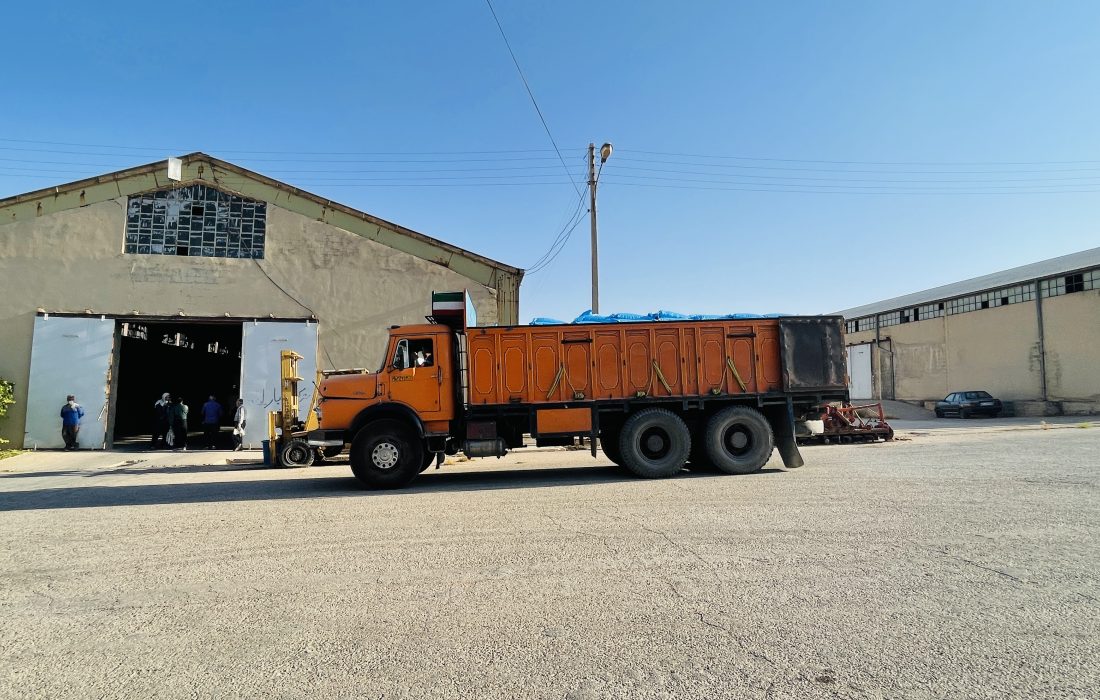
x: 569, y: 224
x: 532, y: 96
x: 299, y: 303
x: 855, y: 192
x: 859, y: 162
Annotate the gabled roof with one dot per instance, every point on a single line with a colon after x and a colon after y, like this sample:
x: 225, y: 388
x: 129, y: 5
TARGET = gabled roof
x: 1063, y: 265
x: 205, y: 169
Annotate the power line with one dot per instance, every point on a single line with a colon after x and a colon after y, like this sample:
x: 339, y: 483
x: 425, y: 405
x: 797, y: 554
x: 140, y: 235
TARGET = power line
x: 840, y: 170
x: 858, y: 192
x: 571, y: 223
x: 857, y: 162
x: 532, y: 96
x: 630, y: 168
x: 163, y: 149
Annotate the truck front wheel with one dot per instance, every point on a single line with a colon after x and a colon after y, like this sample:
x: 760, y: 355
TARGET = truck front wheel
x: 739, y: 440
x: 654, y: 443
x: 386, y: 455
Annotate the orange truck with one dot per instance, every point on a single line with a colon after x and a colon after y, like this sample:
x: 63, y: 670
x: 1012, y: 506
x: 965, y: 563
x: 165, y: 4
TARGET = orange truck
x: 656, y: 396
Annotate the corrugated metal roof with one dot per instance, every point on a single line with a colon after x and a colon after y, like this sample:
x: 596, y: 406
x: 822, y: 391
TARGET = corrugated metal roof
x: 1053, y: 267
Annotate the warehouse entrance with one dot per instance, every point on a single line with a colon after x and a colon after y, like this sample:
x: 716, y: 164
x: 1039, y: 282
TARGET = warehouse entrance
x: 188, y: 359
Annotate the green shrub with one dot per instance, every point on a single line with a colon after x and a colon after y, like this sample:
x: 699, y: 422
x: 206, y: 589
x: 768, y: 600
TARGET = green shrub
x: 7, y: 398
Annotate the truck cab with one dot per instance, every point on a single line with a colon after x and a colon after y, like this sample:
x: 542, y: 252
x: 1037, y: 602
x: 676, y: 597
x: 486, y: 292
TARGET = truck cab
x: 414, y: 386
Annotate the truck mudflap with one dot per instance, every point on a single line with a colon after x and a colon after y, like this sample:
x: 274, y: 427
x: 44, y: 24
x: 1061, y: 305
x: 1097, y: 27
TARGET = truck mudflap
x: 783, y: 430
x: 325, y: 438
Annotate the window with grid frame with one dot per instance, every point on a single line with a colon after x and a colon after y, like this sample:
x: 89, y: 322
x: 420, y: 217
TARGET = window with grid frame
x: 195, y: 220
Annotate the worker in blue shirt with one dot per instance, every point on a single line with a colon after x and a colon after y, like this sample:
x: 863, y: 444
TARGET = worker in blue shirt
x: 211, y: 422
x: 71, y: 413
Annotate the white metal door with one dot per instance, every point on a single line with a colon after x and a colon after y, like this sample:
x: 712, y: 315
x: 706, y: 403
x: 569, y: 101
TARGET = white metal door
x: 261, y: 344
x: 860, y: 385
x: 68, y: 356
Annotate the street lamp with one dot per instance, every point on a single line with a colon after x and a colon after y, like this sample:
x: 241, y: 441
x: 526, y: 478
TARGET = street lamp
x: 593, y: 178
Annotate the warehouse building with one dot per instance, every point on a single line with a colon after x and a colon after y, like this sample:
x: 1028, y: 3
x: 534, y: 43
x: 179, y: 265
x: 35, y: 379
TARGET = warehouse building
x: 1029, y: 336
x: 189, y: 276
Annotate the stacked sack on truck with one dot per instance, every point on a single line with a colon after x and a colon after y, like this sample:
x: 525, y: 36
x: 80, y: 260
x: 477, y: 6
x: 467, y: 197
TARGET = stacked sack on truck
x: 589, y: 317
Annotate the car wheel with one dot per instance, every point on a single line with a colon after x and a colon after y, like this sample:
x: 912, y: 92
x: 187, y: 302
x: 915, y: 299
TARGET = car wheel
x: 939, y: 413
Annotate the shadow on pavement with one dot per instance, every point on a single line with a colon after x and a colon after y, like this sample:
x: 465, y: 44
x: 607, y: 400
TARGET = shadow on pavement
x: 321, y: 487
x: 130, y: 471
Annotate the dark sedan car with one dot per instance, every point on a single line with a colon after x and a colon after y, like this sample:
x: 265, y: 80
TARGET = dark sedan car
x: 968, y: 403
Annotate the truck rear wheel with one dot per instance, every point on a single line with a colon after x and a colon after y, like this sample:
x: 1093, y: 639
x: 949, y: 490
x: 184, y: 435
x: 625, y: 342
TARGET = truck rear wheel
x: 609, y: 444
x: 739, y: 440
x: 697, y: 457
x: 386, y: 455
x: 654, y: 443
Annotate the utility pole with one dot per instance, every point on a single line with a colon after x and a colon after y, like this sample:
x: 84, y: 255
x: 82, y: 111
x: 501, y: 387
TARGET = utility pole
x: 593, y: 178
x: 592, y: 215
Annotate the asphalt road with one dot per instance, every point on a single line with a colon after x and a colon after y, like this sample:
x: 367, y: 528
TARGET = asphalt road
x: 945, y: 565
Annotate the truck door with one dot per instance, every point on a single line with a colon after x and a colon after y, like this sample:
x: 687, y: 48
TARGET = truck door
x: 415, y: 375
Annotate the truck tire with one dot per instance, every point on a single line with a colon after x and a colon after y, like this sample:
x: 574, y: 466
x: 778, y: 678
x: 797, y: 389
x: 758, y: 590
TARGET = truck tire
x: 739, y: 440
x: 429, y: 457
x: 296, y: 453
x: 697, y: 457
x: 386, y: 455
x: 654, y: 443
x: 609, y: 444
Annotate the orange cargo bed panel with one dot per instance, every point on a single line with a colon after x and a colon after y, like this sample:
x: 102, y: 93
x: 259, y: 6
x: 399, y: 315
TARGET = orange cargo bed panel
x: 557, y: 364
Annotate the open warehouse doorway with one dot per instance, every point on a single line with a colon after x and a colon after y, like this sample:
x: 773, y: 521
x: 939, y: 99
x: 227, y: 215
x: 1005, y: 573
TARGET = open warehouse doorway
x: 188, y: 359
x: 118, y: 367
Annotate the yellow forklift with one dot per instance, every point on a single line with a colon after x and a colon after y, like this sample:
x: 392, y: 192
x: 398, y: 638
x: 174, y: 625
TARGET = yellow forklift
x: 286, y: 433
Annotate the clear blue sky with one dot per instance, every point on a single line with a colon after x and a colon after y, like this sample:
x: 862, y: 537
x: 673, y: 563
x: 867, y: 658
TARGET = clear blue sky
x: 982, y: 101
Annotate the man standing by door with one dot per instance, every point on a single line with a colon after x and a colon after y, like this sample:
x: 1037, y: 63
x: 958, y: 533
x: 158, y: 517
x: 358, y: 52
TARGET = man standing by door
x: 211, y: 422
x: 71, y: 413
x: 239, y: 422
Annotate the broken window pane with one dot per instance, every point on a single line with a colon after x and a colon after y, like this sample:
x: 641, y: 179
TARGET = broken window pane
x: 196, y: 220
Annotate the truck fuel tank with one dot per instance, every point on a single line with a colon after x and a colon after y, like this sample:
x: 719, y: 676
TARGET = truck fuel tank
x: 495, y: 447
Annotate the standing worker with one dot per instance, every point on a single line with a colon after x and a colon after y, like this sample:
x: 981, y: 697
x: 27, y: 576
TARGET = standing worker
x: 239, y: 421
x: 71, y: 413
x: 211, y: 422
x: 179, y: 424
x: 162, y: 424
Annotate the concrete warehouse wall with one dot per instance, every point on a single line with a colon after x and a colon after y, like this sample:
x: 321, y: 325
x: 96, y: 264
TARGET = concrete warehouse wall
x: 72, y: 260
x: 1072, y: 324
x: 996, y: 349
x: 920, y: 358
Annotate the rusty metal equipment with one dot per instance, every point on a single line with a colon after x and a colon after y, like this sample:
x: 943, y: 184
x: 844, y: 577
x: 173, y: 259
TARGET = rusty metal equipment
x: 846, y: 424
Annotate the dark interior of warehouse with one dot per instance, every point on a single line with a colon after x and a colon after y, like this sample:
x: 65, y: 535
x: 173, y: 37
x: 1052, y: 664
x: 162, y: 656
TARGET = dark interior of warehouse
x: 192, y: 360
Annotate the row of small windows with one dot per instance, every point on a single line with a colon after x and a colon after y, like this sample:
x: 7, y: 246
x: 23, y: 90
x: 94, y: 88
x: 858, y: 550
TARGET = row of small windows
x: 1068, y: 284
x: 1080, y: 282
x: 989, y: 300
x: 196, y: 221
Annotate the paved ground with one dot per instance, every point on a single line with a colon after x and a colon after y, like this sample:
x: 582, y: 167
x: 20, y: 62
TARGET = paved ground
x: 951, y: 563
